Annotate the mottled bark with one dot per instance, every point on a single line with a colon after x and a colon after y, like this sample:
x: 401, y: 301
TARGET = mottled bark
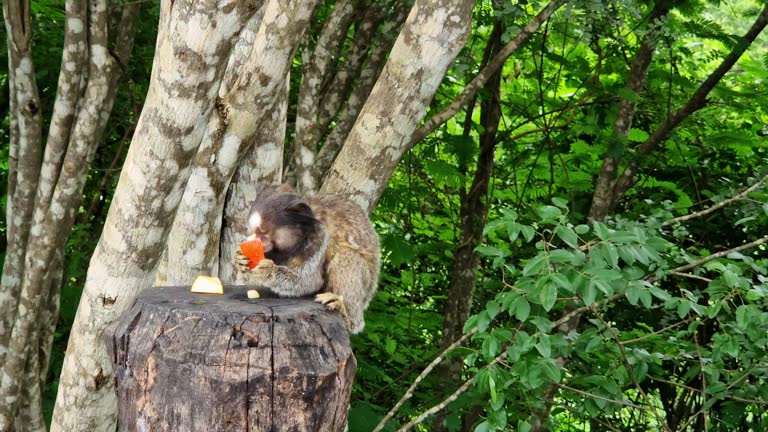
x: 185, y: 81
x: 638, y: 71
x: 262, y: 164
x: 368, y: 75
x: 484, y: 75
x: 366, y: 23
x: 431, y: 38
x: 24, y: 165
x: 472, y: 215
x: 194, y: 242
x: 316, y: 73
x: 63, y: 191
x: 30, y: 415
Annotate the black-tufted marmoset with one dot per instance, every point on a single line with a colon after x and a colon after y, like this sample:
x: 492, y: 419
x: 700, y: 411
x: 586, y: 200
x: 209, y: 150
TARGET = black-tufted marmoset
x: 315, y: 244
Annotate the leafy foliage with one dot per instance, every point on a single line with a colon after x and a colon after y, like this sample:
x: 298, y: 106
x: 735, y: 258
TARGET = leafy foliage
x: 653, y: 344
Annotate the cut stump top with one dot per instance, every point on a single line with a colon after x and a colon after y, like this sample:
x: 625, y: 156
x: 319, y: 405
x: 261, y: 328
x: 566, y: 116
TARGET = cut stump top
x: 205, y: 362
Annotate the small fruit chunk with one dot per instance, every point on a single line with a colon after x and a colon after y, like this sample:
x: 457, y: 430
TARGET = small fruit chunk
x: 254, y: 251
x: 253, y: 294
x: 208, y: 285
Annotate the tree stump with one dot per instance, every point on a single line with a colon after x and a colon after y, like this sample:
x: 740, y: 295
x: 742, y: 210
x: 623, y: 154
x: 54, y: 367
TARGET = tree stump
x: 205, y: 362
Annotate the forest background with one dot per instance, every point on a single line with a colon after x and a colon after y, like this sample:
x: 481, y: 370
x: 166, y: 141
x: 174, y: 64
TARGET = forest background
x: 583, y: 207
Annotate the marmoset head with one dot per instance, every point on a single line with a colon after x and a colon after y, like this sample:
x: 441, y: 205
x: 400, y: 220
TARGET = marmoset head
x: 283, y: 222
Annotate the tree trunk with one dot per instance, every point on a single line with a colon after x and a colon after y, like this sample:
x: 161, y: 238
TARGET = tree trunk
x: 84, y: 100
x: 432, y: 36
x: 368, y: 76
x: 638, y: 71
x: 189, y: 362
x: 473, y: 215
x: 316, y: 75
x: 608, y: 192
x: 237, y: 122
x: 186, y: 80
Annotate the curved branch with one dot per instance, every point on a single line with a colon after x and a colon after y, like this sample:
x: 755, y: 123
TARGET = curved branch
x: 485, y: 74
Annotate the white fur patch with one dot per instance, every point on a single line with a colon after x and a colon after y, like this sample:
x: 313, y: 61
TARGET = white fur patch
x: 254, y: 221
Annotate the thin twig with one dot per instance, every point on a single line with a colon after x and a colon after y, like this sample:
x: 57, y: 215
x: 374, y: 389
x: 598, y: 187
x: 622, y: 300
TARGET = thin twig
x: 409, y: 393
x: 720, y: 254
x: 595, y: 396
x: 437, y: 408
x: 719, y: 205
x: 669, y: 327
x: 631, y: 373
x: 690, y: 275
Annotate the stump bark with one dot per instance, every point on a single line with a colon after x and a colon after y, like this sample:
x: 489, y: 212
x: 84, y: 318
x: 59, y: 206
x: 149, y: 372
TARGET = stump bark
x: 202, y: 362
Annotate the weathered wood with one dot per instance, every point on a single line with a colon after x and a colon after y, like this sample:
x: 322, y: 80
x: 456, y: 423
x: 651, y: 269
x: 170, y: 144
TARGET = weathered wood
x: 203, y: 362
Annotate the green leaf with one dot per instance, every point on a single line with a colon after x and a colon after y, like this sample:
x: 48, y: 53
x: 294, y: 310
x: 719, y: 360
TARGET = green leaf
x: 494, y: 226
x: 633, y: 294
x: 548, y: 296
x: 563, y: 256
x: 544, y: 346
x: 560, y: 202
x: 637, y: 135
x: 742, y: 317
x: 493, y: 308
x: 548, y: 212
x: 567, y: 235
x: 513, y: 230
x: 390, y: 346
x: 646, y: 299
x: 523, y: 426
x: 521, y: 308
x: 535, y: 265
x: 593, y: 343
x: 490, y: 251
x: 562, y: 281
x: 492, y: 388
x: 483, y: 427
x: 551, y: 370
x: 589, y: 294
x: 528, y: 232
x: 602, y: 231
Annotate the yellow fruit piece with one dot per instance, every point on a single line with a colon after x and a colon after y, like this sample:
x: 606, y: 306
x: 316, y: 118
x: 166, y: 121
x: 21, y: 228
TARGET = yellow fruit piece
x: 208, y: 285
x: 253, y: 294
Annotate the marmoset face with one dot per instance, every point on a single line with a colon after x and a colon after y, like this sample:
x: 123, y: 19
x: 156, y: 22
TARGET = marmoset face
x: 282, y: 221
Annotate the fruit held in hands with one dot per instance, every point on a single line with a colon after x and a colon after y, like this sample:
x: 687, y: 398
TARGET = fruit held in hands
x: 254, y: 250
x: 208, y: 285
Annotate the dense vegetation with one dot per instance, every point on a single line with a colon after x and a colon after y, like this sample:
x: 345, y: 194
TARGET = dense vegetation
x: 634, y: 321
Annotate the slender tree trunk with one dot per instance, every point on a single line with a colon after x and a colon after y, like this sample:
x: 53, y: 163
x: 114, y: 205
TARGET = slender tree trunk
x: 638, y: 71
x: 84, y: 101
x: 432, y: 36
x: 473, y: 213
x: 186, y: 90
x: 611, y: 186
x: 316, y: 74
x: 23, y: 165
x: 368, y: 76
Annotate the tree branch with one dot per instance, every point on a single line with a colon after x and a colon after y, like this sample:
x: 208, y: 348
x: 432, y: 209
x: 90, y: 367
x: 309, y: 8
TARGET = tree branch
x: 485, y: 74
x: 695, y: 103
x: 719, y: 205
x: 409, y: 393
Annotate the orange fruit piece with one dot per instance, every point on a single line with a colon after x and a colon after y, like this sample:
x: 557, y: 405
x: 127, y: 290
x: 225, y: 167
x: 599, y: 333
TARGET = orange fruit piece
x: 254, y: 250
